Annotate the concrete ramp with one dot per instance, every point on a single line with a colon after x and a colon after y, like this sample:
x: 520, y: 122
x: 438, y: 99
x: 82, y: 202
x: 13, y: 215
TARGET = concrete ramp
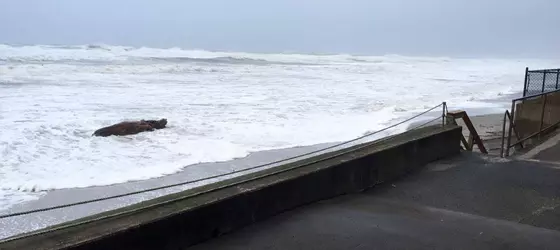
x: 469, y: 202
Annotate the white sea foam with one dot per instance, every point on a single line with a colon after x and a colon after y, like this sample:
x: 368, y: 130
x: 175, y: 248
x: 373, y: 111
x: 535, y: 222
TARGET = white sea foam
x: 220, y: 105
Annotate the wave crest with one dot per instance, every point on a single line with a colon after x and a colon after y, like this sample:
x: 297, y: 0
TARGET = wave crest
x: 100, y: 53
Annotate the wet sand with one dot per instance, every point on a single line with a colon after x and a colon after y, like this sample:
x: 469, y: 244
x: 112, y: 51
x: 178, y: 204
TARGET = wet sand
x: 488, y: 126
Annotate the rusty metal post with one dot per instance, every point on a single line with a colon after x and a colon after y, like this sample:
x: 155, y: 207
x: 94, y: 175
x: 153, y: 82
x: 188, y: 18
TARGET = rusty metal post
x: 503, y: 135
x: 542, y: 116
x: 443, y: 114
x: 510, y: 126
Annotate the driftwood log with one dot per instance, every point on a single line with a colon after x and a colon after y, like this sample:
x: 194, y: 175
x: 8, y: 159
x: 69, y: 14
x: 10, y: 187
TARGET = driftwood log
x: 131, y: 127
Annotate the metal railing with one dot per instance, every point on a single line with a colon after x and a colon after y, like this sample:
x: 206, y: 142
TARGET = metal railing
x: 540, y: 81
x: 297, y: 164
x: 508, y: 117
x: 511, y: 117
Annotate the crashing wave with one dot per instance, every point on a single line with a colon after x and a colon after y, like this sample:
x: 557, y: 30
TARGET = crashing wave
x: 108, y: 53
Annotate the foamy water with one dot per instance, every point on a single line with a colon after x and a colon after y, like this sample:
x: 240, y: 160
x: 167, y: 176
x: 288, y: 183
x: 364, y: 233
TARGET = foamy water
x: 219, y: 106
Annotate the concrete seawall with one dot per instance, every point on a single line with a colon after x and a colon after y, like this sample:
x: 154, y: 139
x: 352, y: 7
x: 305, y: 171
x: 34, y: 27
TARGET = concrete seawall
x: 528, y: 114
x: 190, y: 217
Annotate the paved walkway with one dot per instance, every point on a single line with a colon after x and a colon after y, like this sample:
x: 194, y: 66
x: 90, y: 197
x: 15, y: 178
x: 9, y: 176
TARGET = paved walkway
x: 551, y: 154
x: 470, y: 202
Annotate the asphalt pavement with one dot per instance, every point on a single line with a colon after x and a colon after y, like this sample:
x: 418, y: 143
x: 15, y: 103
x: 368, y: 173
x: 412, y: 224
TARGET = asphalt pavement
x: 468, y: 202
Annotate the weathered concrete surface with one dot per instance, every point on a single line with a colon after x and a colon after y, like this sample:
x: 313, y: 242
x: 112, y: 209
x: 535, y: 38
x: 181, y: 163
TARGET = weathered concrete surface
x: 537, y: 150
x: 468, y: 202
x: 199, y: 214
x: 528, y: 114
x: 547, y: 151
x: 549, y: 154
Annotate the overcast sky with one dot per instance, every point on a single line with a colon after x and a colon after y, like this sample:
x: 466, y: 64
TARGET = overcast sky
x: 407, y: 27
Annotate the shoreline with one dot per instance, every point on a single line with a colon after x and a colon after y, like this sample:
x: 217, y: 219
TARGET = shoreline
x: 19, y: 224
x: 486, y: 123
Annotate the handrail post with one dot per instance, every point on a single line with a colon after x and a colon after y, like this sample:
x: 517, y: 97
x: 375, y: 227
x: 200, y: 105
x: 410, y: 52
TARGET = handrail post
x: 443, y: 108
x: 503, y: 134
x: 510, y: 126
x: 542, y: 116
x: 525, y: 83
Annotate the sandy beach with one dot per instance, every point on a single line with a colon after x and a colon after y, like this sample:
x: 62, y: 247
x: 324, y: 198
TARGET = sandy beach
x: 488, y: 126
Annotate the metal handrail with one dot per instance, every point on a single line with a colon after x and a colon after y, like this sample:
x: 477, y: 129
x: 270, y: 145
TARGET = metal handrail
x: 544, y: 71
x: 511, y: 117
x: 508, y: 116
x: 533, y: 96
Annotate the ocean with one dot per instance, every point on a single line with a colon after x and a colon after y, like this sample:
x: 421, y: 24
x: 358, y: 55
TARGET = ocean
x: 219, y: 105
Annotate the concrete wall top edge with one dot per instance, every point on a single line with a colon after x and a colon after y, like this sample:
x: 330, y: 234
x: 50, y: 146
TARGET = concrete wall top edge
x: 211, y: 193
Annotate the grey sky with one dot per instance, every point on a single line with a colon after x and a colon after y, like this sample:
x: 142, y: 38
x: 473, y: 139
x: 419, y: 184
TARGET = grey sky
x: 408, y: 27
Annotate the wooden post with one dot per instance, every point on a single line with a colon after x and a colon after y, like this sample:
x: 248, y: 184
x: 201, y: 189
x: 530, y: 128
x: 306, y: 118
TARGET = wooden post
x: 475, y: 137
